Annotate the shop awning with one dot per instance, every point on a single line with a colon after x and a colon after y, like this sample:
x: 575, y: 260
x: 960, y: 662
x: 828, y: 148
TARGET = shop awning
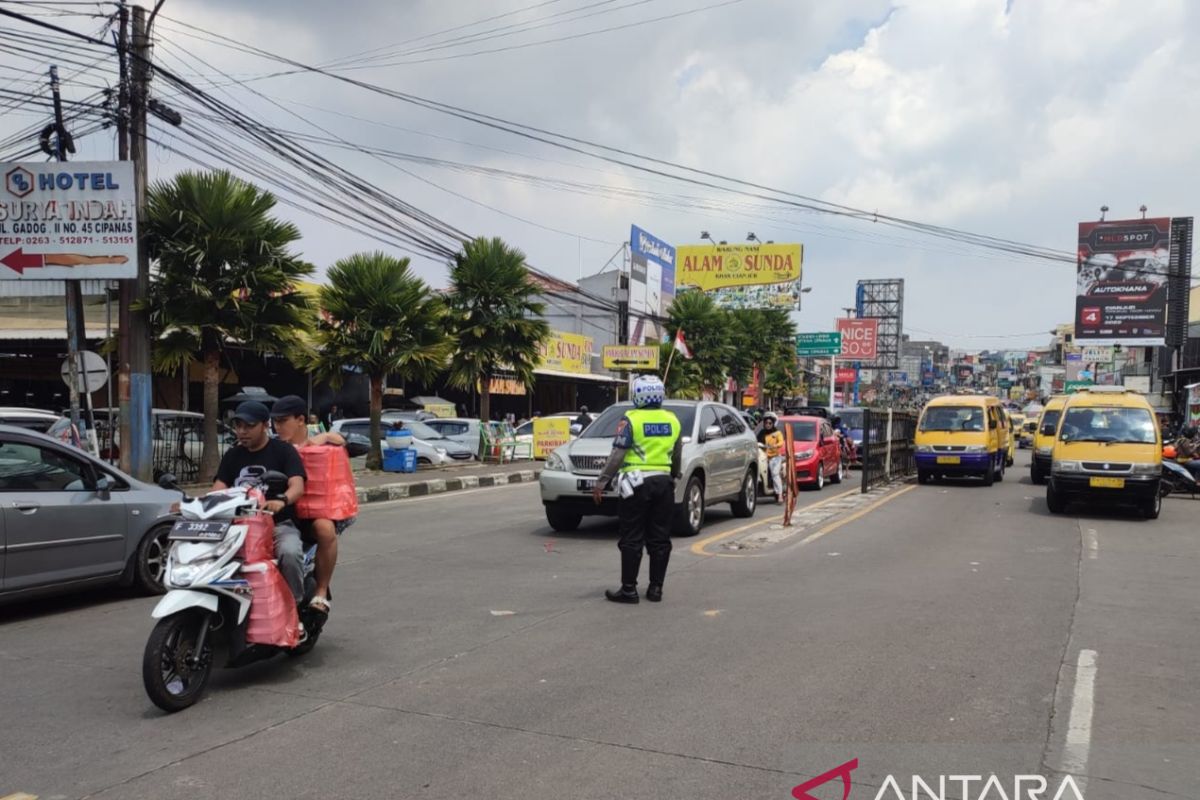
x: 577, y: 376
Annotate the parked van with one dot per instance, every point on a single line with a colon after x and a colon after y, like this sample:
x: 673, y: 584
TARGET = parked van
x: 1107, y: 448
x: 961, y: 435
x: 1044, y: 429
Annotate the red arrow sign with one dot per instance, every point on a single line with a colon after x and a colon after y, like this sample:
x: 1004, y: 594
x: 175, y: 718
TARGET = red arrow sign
x: 18, y: 261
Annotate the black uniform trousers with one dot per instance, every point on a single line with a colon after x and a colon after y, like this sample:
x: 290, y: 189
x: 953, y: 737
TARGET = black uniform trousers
x: 645, y: 522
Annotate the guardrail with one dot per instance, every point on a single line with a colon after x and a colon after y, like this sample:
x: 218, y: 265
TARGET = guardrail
x: 888, y: 451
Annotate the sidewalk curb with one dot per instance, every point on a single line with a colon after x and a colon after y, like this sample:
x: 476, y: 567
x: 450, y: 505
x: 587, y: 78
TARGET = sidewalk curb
x: 401, y: 491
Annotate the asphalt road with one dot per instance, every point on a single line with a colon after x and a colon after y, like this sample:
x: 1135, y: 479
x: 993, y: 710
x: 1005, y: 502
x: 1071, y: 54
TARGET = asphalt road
x: 942, y: 630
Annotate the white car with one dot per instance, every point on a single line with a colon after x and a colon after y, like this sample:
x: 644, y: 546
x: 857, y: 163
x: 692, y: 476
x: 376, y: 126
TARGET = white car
x: 432, y: 448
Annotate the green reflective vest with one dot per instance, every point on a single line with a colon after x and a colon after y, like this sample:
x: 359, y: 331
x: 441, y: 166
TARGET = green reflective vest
x: 654, y: 431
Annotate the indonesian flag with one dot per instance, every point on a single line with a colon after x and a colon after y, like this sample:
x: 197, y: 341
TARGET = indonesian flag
x: 681, y: 346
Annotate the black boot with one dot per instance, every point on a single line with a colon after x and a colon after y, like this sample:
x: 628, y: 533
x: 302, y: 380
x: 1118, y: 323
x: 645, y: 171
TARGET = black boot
x: 654, y: 593
x: 626, y: 594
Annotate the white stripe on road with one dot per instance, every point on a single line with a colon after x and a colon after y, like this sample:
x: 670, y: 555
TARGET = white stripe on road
x: 1078, y: 745
x: 1093, y: 544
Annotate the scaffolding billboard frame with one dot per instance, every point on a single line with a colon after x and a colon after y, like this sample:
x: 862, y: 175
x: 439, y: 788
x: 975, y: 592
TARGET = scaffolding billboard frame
x: 883, y: 299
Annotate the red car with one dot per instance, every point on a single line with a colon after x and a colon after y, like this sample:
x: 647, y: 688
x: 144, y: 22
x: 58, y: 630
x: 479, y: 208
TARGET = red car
x: 817, y: 450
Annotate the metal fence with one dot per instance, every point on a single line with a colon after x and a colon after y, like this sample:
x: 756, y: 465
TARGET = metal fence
x: 176, y: 448
x: 888, y: 451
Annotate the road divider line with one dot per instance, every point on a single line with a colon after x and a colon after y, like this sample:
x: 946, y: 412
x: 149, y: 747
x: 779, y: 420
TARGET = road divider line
x: 1078, y: 745
x: 698, y: 547
x: 1093, y: 544
x: 833, y: 526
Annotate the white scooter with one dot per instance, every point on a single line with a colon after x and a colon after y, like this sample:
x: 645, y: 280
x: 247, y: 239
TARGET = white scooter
x: 208, y: 597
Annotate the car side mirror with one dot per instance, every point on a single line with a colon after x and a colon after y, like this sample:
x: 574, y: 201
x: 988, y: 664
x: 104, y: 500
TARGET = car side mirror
x: 712, y: 432
x: 104, y: 488
x: 168, y: 481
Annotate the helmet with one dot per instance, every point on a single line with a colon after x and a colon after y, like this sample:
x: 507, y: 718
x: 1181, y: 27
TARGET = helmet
x: 1188, y: 432
x: 770, y: 415
x: 648, y: 390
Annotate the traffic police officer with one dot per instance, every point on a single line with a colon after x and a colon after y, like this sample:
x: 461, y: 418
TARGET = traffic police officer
x: 647, y: 453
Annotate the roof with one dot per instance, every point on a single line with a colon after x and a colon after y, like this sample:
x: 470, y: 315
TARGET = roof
x: 962, y: 399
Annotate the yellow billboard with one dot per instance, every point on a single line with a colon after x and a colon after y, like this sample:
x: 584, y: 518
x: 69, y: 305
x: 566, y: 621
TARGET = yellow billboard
x: 567, y: 352
x: 708, y: 267
x: 550, y: 433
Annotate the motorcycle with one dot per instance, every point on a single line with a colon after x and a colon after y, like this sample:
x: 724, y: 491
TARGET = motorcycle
x: 1176, y: 479
x: 211, y: 582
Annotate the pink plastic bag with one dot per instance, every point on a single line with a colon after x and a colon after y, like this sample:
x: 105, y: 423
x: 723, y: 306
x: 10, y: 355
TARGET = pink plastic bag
x: 273, y: 619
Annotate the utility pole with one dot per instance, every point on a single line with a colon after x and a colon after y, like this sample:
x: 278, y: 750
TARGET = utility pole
x: 134, y: 386
x: 74, y: 297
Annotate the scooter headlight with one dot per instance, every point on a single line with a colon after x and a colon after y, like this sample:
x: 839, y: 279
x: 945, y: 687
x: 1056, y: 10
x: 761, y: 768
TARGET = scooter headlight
x: 182, y: 575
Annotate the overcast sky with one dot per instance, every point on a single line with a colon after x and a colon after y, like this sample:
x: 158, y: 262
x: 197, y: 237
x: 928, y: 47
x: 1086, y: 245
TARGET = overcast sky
x: 1012, y: 119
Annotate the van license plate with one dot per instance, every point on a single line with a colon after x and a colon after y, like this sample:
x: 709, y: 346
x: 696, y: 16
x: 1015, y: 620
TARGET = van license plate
x: 188, y: 530
x: 1107, y: 483
x: 949, y: 460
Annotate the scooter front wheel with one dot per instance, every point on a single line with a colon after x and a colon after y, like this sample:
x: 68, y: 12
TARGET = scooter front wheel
x: 173, y: 673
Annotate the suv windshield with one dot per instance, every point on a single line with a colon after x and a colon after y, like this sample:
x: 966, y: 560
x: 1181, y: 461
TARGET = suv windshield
x: 605, y: 426
x: 1110, y: 425
x: 953, y: 418
x: 851, y: 419
x: 421, y: 430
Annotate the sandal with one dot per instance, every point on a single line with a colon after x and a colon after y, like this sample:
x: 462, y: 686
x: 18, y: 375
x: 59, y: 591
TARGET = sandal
x: 320, y: 604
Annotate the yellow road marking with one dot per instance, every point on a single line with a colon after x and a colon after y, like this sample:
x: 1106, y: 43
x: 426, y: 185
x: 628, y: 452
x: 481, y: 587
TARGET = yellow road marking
x: 833, y: 526
x: 19, y: 796
x: 698, y: 547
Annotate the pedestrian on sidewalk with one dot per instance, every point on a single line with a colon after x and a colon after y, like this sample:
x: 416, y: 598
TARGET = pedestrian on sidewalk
x: 648, y: 454
x: 771, y: 438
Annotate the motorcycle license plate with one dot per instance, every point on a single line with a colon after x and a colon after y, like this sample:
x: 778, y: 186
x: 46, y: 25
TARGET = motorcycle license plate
x: 1107, y: 483
x: 191, y: 531
x: 949, y: 460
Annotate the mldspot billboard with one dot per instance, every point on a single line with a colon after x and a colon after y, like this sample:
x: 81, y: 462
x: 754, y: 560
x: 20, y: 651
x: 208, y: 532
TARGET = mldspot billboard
x: 1121, y: 281
x: 651, y: 285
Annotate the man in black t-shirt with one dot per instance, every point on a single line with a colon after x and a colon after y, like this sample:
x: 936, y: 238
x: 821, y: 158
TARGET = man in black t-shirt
x: 256, y: 453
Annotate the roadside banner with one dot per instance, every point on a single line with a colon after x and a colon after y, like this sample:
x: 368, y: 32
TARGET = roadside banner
x: 630, y: 357
x: 860, y: 338
x: 720, y: 266
x: 550, y: 433
x: 568, y: 352
x: 73, y: 221
x: 846, y: 374
x: 1121, y: 281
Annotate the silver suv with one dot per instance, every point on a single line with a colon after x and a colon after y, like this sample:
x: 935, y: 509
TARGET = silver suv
x: 720, y: 465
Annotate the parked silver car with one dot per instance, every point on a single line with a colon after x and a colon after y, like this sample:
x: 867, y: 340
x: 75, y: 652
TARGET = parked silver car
x: 68, y: 520
x: 720, y: 465
x: 432, y: 448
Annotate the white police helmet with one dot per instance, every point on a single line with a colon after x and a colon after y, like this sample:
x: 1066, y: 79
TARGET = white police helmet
x: 648, y: 390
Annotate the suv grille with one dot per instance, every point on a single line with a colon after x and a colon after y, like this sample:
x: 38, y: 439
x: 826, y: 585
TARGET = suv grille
x: 588, y: 463
x: 1104, y: 466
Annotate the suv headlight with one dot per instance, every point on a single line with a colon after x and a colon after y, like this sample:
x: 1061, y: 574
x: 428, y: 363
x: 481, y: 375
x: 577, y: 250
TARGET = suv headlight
x: 1066, y: 466
x: 1045, y: 450
x: 924, y: 448
x: 555, y: 463
x: 1147, y: 469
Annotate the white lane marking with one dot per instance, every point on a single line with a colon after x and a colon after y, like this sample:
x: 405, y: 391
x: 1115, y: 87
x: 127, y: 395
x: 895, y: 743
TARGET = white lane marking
x: 1078, y: 745
x: 1093, y: 544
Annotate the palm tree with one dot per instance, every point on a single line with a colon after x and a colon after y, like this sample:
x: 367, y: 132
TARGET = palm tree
x: 707, y: 331
x: 379, y: 317
x: 225, y: 272
x: 496, y: 317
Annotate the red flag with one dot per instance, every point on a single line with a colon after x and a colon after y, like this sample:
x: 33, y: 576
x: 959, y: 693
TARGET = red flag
x: 681, y: 345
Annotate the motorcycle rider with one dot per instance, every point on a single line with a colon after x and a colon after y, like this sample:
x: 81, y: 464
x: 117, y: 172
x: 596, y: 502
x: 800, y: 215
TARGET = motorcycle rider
x: 1187, y: 450
x: 287, y: 416
x: 256, y: 452
x: 648, y: 452
x: 771, y: 438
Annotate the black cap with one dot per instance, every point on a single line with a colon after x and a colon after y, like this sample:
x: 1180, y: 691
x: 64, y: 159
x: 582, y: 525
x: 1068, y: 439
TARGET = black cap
x: 289, y: 406
x: 251, y: 411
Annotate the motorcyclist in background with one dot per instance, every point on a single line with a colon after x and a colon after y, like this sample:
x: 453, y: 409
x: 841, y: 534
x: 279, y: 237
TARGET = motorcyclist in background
x: 1187, y: 450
